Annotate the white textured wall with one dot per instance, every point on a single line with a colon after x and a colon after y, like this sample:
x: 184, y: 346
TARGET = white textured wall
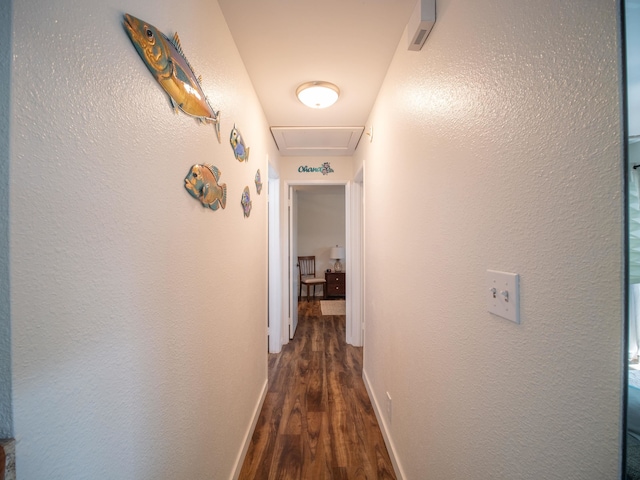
x: 139, y: 318
x: 498, y: 146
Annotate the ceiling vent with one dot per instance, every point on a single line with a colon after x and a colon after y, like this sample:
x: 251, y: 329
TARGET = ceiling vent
x: 421, y: 23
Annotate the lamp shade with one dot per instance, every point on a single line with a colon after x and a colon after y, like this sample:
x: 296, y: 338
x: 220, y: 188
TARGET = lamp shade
x: 336, y: 253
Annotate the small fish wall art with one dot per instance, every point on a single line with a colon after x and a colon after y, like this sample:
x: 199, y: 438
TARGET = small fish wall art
x: 167, y: 63
x: 203, y: 183
x: 258, y: 182
x: 240, y: 150
x: 246, y: 202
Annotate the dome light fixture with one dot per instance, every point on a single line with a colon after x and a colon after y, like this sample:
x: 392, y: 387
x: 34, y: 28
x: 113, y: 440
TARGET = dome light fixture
x: 318, y: 94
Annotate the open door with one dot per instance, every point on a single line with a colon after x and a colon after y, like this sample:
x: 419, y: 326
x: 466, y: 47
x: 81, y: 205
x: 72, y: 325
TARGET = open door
x: 293, y: 263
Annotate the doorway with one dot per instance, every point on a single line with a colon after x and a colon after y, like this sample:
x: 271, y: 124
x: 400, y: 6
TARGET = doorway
x: 283, y: 292
x: 318, y: 223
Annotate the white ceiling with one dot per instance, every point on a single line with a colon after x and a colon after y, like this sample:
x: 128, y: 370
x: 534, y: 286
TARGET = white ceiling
x: 285, y: 43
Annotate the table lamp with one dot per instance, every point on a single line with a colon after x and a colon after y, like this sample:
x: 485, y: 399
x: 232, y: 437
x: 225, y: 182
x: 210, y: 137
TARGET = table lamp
x: 336, y: 254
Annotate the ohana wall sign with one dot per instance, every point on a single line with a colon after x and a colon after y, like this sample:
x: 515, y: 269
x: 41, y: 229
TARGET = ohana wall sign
x: 325, y: 169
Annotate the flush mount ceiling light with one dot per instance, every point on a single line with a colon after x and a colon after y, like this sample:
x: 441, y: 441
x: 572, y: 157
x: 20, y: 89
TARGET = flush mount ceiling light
x: 318, y: 94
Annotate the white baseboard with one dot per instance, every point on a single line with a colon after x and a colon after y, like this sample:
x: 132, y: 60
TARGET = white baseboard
x: 249, y: 433
x: 384, y: 428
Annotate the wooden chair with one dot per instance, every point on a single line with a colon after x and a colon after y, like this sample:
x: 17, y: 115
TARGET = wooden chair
x: 307, y: 269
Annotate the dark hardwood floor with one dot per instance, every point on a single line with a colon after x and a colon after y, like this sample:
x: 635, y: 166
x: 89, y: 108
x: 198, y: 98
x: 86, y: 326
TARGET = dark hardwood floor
x: 317, y: 421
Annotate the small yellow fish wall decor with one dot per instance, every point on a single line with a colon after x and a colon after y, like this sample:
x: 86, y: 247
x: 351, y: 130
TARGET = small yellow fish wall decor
x: 202, y: 182
x: 167, y: 63
x: 240, y: 150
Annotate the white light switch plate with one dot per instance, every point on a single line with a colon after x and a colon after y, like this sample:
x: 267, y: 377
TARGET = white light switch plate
x: 503, y: 295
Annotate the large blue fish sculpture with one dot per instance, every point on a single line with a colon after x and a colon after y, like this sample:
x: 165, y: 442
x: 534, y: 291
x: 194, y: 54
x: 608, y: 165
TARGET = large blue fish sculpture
x: 202, y: 182
x: 240, y: 150
x: 168, y: 65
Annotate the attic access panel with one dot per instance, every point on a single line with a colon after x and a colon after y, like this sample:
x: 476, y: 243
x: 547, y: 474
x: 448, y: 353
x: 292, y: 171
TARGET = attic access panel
x: 317, y: 141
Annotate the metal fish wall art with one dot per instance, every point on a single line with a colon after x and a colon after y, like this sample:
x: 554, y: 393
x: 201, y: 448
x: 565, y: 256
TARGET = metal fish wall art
x: 258, y: 182
x: 245, y: 201
x: 167, y: 63
x: 240, y: 150
x: 202, y: 182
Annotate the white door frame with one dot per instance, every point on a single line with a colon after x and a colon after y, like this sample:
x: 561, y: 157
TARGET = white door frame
x: 355, y: 288
x: 275, y: 263
x: 292, y: 252
x: 353, y: 270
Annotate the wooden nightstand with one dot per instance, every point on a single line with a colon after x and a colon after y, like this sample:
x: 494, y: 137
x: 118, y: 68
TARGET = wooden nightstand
x: 335, y: 286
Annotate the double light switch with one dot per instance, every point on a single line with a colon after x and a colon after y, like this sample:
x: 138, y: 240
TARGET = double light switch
x: 503, y: 296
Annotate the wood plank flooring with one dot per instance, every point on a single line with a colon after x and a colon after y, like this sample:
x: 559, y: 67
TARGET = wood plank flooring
x: 317, y: 421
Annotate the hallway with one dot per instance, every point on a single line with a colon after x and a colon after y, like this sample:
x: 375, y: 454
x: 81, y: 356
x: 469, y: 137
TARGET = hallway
x: 132, y: 316
x: 317, y: 421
